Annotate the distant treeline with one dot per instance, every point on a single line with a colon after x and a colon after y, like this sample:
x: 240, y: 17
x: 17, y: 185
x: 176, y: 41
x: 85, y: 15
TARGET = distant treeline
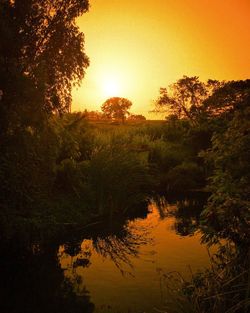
x: 100, y: 116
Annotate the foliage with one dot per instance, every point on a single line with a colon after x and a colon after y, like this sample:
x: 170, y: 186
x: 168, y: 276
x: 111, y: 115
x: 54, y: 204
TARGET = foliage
x: 93, y: 115
x: 136, y: 117
x: 62, y: 169
x: 118, y: 182
x: 233, y: 95
x: 27, y: 167
x: 185, y: 176
x: 41, y: 57
x: 219, y: 134
x: 223, y: 288
x: 228, y: 211
x: 116, y: 108
x: 166, y: 155
x: 185, y: 97
x: 75, y: 138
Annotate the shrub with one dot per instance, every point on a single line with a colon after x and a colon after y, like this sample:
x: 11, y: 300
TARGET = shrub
x: 117, y: 181
x: 185, y: 177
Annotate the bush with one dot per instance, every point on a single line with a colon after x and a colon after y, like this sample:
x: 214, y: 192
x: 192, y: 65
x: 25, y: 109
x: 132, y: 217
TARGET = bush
x: 117, y: 182
x: 185, y: 177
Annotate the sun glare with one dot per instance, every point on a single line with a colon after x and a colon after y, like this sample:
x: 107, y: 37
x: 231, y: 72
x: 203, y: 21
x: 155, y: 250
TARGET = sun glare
x: 111, y: 88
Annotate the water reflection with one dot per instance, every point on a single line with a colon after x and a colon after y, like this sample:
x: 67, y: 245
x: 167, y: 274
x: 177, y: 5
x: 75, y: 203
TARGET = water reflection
x: 117, y: 242
x: 33, y: 281
x: 52, y: 277
x: 186, y: 213
x: 138, y: 249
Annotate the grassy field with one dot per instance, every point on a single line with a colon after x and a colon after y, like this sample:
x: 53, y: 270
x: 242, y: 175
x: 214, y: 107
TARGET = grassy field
x: 107, y: 124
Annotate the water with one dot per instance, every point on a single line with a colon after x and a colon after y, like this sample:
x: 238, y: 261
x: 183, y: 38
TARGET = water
x: 124, y: 272
x: 110, y: 267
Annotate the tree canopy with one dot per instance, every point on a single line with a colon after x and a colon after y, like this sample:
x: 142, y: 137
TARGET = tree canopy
x: 228, y: 210
x: 233, y: 95
x: 136, y: 117
x: 116, y: 108
x: 185, y: 97
x: 41, y: 55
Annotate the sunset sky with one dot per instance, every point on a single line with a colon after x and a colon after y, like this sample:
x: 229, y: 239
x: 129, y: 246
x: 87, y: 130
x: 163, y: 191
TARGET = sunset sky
x: 137, y: 46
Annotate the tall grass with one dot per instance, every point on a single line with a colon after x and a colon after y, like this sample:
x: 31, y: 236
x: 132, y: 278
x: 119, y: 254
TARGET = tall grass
x: 222, y: 288
x: 117, y: 182
x: 120, y: 166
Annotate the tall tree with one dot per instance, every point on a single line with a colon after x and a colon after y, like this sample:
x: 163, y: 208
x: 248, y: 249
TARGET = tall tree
x: 227, y: 214
x: 185, y: 97
x: 41, y: 55
x: 116, y: 108
x: 233, y: 95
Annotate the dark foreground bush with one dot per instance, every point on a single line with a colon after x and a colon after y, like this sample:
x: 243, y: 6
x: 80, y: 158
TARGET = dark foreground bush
x: 225, y: 287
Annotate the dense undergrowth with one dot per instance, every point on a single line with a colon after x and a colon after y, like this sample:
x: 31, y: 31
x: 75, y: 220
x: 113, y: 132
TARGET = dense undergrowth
x: 58, y: 170
x: 68, y: 172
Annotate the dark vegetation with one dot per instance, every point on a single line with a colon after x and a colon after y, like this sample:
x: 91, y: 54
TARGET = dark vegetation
x: 224, y: 127
x: 57, y: 170
x: 116, y: 108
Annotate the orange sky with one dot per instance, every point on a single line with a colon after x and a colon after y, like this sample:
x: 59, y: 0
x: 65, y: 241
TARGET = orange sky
x: 137, y: 46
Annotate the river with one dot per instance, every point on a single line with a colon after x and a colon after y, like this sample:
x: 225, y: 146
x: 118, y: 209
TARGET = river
x: 112, y: 267
x: 126, y: 271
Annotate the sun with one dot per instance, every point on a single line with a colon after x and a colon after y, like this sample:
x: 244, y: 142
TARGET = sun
x: 110, y: 87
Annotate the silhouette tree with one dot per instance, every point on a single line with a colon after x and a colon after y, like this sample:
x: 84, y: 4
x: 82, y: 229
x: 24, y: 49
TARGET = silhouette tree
x: 233, y: 95
x: 185, y: 97
x: 116, y: 108
x: 41, y: 56
x: 228, y: 210
x: 136, y: 117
